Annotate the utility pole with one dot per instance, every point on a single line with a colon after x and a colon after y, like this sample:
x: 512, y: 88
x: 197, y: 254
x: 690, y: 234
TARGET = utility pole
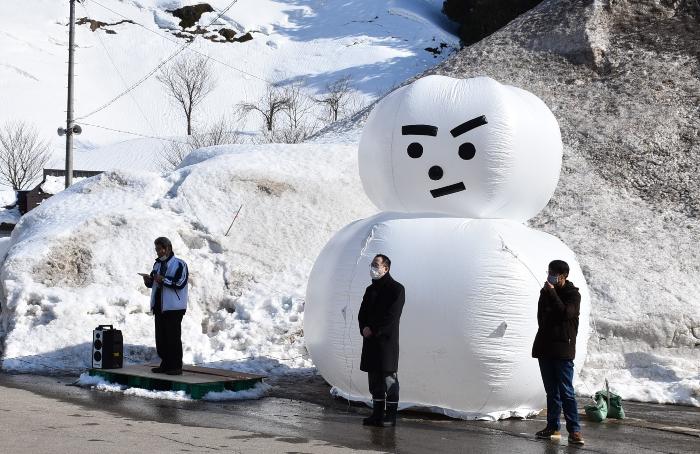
x: 69, y: 115
x: 71, y: 127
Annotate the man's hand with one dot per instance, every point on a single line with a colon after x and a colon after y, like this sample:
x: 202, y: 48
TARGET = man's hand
x: 158, y: 279
x: 366, y: 332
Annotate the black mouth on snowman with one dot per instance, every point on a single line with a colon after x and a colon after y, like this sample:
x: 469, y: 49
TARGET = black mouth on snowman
x: 447, y: 190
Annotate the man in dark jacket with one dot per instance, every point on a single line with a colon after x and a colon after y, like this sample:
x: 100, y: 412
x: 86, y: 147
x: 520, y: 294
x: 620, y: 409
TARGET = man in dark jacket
x: 379, y: 317
x: 555, y: 348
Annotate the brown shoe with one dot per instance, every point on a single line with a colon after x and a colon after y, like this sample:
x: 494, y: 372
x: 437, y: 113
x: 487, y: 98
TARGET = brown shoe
x: 576, y: 438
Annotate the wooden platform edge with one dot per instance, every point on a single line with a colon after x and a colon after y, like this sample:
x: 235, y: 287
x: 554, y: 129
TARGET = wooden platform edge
x: 194, y: 390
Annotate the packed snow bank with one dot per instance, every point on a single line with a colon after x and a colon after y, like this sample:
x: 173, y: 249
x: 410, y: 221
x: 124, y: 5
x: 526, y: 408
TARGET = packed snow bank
x: 72, y: 261
x: 641, y: 266
x: 72, y: 265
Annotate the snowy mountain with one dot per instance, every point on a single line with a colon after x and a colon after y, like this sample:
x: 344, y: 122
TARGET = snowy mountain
x: 378, y: 44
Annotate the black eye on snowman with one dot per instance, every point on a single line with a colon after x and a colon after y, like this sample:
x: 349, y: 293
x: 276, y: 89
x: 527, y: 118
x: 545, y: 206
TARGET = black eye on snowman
x: 467, y: 151
x: 415, y: 150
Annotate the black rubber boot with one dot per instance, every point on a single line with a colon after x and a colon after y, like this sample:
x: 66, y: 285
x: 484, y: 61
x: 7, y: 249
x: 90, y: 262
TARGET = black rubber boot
x: 377, y: 416
x: 390, y: 415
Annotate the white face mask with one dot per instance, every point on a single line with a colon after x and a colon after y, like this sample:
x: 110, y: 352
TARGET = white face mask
x: 375, y: 273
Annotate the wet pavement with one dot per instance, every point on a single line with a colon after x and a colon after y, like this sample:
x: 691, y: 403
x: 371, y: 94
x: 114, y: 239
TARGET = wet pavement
x: 300, y: 409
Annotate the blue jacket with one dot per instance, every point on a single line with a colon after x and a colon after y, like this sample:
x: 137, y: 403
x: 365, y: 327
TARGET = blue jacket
x: 174, y: 291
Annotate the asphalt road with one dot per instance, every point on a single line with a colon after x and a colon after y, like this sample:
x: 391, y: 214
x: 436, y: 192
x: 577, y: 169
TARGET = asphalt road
x: 298, y: 416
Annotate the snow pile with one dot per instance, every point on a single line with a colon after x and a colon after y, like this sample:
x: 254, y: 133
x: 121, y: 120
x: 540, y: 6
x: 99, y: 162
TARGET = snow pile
x: 99, y: 383
x: 54, y: 185
x: 72, y: 262
x: 10, y: 215
x: 72, y: 265
x: 256, y: 392
x: 641, y: 268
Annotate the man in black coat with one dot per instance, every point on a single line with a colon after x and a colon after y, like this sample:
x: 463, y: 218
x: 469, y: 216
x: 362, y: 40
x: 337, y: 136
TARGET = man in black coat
x: 555, y: 348
x: 379, y: 317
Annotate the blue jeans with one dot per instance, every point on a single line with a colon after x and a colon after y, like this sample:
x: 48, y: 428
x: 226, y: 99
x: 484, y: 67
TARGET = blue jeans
x: 558, y: 377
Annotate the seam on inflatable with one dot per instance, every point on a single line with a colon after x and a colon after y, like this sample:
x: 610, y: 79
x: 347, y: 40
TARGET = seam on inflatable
x: 511, y: 252
x: 349, y: 314
x: 486, y: 401
x: 346, y: 337
x: 391, y: 155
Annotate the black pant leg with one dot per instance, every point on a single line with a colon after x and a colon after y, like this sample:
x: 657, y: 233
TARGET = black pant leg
x: 377, y: 385
x: 173, y: 353
x: 161, y: 341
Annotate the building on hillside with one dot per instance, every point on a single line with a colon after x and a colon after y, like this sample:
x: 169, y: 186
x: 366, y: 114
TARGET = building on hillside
x: 50, y: 185
x: 30, y: 199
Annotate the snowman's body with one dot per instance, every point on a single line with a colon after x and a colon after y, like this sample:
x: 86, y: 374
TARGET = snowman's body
x: 447, y: 157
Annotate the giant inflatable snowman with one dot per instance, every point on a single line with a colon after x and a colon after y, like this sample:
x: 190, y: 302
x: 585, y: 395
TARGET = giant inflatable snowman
x: 457, y: 165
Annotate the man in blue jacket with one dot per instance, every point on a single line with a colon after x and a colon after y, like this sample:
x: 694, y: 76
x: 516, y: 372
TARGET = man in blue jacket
x: 168, y: 284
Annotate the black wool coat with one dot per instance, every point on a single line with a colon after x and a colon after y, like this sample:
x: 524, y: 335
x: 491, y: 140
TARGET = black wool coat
x: 557, y: 318
x: 381, y: 311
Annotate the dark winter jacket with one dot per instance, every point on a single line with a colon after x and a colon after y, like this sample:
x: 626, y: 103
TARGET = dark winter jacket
x: 381, y: 310
x: 557, y: 318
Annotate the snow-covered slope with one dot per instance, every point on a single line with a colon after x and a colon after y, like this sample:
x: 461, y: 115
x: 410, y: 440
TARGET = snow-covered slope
x: 72, y: 265
x: 73, y: 261
x: 378, y: 44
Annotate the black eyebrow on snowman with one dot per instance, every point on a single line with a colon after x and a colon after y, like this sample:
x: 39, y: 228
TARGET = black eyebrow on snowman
x: 468, y: 125
x: 419, y: 130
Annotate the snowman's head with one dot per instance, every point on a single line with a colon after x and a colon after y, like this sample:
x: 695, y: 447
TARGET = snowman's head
x: 463, y: 147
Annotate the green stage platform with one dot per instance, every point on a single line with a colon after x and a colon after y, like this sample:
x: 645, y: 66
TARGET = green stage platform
x: 195, y: 381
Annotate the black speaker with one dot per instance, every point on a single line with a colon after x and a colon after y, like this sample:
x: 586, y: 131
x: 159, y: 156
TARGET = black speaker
x: 107, y: 348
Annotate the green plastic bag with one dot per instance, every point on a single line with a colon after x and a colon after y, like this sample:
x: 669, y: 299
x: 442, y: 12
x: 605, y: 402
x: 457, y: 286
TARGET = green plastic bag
x: 599, y: 411
x: 615, y: 409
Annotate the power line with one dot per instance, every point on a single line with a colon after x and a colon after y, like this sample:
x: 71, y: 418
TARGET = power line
x: 116, y: 68
x: 154, y: 70
x: 134, y: 133
x: 165, y: 36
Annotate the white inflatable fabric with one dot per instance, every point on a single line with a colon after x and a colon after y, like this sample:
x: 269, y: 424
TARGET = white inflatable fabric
x: 470, y: 315
x: 469, y: 148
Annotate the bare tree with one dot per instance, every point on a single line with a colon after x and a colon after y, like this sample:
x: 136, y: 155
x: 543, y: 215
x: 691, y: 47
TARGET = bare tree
x: 272, y: 103
x: 188, y: 82
x: 23, y: 155
x: 298, y: 120
x: 219, y: 133
x: 336, y: 98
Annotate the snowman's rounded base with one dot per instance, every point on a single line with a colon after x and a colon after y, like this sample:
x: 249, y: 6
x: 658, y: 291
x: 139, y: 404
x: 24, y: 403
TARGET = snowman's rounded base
x: 521, y: 413
x: 470, y: 315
